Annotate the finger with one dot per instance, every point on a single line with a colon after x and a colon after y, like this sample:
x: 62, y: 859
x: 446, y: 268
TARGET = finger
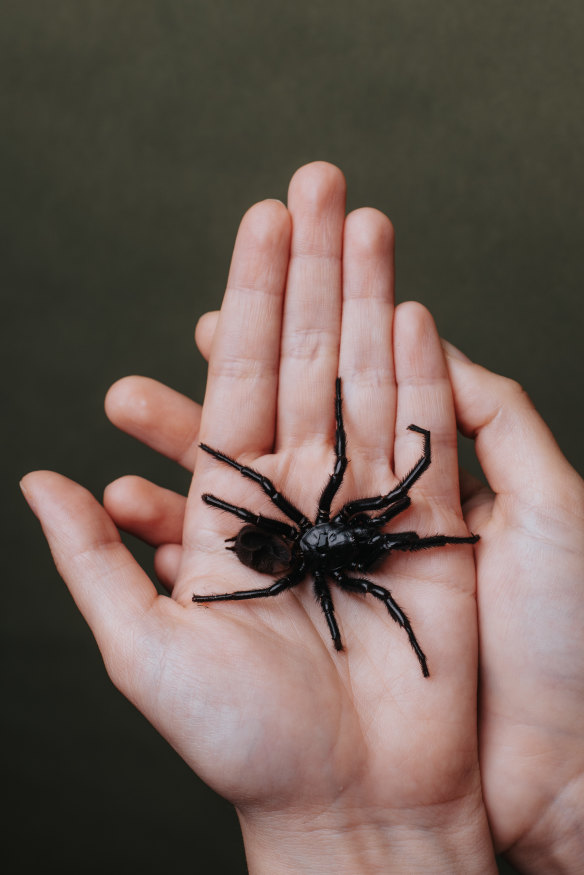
x: 156, y: 415
x: 149, y: 512
x: 109, y: 587
x: 476, y: 500
x: 470, y: 486
x: 424, y: 399
x: 312, y: 310
x: 167, y: 560
x: 205, y: 332
x: 366, y: 355
x: 240, y: 402
x: 514, y: 446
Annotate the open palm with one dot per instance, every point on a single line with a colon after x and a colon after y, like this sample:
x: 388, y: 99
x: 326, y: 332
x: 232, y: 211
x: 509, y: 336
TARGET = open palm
x: 252, y: 694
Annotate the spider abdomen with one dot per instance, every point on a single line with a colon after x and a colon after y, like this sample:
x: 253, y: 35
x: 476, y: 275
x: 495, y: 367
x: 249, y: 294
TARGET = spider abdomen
x: 262, y: 551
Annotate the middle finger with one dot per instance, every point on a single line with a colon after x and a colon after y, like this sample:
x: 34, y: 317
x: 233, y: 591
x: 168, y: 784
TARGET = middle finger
x: 312, y: 307
x: 366, y: 356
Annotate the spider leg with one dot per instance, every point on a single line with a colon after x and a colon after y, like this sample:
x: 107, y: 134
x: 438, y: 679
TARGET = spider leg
x: 379, y: 502
x: 393, y: 510
x: 336, y: 478
x: 412, y: 541
x: 323, y: 594
x: 266, y: 523
x: 421, y: 465
x: 276, y: 588
x: 360, y: 584
x: 275, y: 497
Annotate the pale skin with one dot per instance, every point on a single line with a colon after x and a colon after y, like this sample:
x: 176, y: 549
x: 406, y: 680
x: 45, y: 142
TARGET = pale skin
x: 353, y: 761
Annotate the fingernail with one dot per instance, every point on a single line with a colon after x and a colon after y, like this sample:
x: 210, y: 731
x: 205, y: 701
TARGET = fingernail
x: 453, y: 352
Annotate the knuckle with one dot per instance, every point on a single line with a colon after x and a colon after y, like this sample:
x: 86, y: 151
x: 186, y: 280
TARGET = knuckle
x: 241, y: 368
x: 515, y: 390
x: 309, y: 344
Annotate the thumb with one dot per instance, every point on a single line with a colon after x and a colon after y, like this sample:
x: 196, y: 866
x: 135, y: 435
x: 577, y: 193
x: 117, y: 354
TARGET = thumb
x: 514, y: 446
x: 110, y: 589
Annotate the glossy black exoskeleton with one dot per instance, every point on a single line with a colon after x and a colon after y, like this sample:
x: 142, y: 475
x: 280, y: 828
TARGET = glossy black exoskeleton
x: 328, y: 548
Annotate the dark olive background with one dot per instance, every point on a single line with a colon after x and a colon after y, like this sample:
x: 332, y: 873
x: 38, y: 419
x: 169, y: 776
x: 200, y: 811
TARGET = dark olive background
x: 134, y: 136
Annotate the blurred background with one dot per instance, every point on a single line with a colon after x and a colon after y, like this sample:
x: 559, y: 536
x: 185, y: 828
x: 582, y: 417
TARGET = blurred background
x: 134, y: 136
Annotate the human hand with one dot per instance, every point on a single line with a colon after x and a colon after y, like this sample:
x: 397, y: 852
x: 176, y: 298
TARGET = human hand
x: 530, y: 570
x: 529, y: 566
x: 350, y: 761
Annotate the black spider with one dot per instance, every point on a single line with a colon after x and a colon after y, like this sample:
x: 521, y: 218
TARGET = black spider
x: 350, y: 541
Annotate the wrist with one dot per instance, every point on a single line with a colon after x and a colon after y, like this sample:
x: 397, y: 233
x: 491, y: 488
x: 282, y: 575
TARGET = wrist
x: 453, y: 841
x: 555, y: 844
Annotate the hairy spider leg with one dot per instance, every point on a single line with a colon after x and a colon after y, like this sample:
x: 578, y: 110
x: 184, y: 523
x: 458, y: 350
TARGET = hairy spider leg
x: 325, y: 599
x: 411, y: 541
x: 266, y: 484
x: 392, y: 511
x: 266, y: 523
x: 361, y: 584
x: 379, y: 502
x: 336, y: 478
x: 276, y: 588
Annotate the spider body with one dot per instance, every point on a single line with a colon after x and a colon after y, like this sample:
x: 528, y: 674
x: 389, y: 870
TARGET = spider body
x: 331, y: 546
x: 352, y: 541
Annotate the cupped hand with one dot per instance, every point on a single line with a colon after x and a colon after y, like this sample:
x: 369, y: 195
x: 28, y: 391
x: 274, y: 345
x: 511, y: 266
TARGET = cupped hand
x: 253, y: 694
x: 530, y: 571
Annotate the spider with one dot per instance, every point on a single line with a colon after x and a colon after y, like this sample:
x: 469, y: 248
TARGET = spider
x: 327, y: 548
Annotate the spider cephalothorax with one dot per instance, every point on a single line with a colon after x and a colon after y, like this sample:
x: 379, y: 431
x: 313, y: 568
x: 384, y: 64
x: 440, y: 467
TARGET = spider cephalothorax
x: 327, y: 548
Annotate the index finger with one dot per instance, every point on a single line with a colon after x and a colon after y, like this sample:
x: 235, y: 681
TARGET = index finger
x: 515, y: 447
x: 240, y: 403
